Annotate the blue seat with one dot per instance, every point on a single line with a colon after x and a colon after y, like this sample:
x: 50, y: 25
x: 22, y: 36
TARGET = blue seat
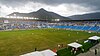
x: 79, y: 27
x: 73, y: 27
x: 68, y: 27
x: 98, y: 30
x: 86, y: 27
x: 95, y: 28
x: 59, y: 27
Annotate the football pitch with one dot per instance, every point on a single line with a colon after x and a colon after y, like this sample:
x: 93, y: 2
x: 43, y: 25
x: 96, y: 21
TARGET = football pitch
x: 18, y: 42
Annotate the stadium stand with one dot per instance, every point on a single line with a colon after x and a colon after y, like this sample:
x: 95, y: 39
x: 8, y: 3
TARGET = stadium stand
x: 29, y: 24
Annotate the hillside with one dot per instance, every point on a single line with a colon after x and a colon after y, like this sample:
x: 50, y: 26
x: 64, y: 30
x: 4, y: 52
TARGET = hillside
x: 41, y: 14
x: 89, y: 16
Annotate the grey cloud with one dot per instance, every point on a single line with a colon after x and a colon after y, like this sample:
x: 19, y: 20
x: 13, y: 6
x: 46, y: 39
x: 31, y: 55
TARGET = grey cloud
x: 51, y: 2
x: 87, y: 3
x: 13, y: 3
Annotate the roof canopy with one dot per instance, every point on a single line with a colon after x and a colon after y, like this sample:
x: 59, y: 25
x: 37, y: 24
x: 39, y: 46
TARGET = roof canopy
x: 75, y: 45
x: 94, y: 38
x: 33, y: 54
x: 41, y: 53
x: 48, y: 53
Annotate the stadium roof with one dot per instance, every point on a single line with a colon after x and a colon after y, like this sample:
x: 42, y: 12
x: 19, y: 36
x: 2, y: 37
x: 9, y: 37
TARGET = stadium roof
x: 41, y: 53
x: 94, y: 38
x: 75, y: 45
x: 33, y: 54
x: 48, y: 53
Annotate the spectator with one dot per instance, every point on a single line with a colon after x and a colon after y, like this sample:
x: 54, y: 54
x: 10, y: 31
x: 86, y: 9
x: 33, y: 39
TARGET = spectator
x: 95, y: 51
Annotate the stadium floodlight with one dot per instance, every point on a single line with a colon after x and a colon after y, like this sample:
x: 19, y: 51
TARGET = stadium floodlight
x: 29, y: 17
x: 32, y: 17
x: 11, y: 16
x: 21, y: 17
x: 25, y: 17
x: 57, y: 19
x: 14, y: 14
x: 7, y: 17
x: 37, y: 18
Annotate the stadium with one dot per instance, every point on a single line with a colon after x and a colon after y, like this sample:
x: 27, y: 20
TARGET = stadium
x: 44, y: 33
x: 21, y: 35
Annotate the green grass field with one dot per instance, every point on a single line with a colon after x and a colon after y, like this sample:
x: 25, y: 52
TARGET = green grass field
x: 18, y: 42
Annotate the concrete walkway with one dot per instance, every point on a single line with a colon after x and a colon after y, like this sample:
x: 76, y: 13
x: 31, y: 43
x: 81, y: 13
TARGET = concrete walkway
x: 91, y: 52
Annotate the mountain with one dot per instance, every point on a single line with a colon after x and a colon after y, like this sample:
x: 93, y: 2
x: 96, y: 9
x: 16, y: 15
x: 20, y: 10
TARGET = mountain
x: 41, y: 14
x: 89, y: 16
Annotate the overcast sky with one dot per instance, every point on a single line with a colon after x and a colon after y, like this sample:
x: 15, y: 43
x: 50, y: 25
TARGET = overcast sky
x: 62, y: 7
